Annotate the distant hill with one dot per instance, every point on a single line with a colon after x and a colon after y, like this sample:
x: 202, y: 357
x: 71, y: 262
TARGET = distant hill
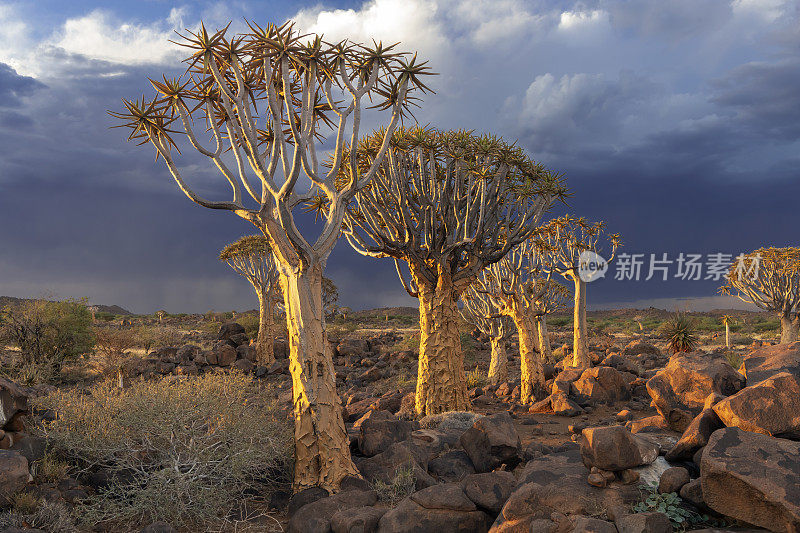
x: 113, y: 309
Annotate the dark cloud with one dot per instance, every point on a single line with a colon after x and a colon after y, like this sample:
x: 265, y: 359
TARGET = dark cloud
x: 13, y: 87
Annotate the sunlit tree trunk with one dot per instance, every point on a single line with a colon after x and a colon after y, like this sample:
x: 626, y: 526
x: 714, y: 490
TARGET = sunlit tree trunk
x: 498, y: 365
x: 727, y: 335
x: 322, y: 456
x: 441, y: 383
x: 531, y: 371
x: 789, y: 328
x: 265, y: 348
x: 580, y: 338
x: 544, y: 339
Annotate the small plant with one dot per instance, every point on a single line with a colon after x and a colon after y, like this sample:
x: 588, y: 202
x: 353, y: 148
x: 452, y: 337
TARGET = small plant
x: 681, y: 516
x: 401, y: 485
x: 734, y: 358
x: 49, y: 469
x: 475, y: 379
x: 53, y: 517
x: 24, y: 503
x: 681, y: 333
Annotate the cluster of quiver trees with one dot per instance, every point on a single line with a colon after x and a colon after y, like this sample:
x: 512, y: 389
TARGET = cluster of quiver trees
x: 459, y: 212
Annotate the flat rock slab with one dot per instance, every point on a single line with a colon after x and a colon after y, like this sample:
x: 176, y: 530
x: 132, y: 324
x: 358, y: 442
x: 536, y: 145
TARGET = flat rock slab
x: 763, y: 363
x: 753, y: 478
x: 771, y: 407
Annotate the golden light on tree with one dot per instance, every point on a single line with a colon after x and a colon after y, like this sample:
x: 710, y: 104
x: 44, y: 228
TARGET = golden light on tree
x: 258, y: 105
x: 770, y: 279
x: 446, y: 203
x: 479, y: 310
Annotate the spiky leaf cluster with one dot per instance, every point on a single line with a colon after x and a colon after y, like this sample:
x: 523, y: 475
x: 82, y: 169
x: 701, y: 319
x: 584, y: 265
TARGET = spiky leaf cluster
x: 561, y: 241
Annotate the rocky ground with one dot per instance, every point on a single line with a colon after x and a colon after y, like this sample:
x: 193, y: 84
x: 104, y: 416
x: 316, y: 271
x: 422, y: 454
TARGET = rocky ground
x: 641, y: 442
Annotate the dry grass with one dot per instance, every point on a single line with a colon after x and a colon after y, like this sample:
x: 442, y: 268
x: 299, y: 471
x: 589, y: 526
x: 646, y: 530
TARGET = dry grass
x: 183, y: 451
x: 402, y: 484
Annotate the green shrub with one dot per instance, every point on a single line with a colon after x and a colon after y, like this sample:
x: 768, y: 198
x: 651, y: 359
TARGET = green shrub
x: 559, y: 321
x: 681, y: 515
x: 681, y: 333
x: 250, y: 324
x: 183, y: 451
x: 47, y: 334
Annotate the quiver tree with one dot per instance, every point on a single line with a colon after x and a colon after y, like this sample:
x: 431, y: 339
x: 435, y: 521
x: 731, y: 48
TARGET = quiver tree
x: 726, y: 321
x: 516, y: 289
x: 263, y: 102
x: 447, y: 204
x: 479, y: 310
x: 251, y: 258
x: 564, y: 243
x: 330, y: 295
x: 549, y: 297
x: 770, y: 279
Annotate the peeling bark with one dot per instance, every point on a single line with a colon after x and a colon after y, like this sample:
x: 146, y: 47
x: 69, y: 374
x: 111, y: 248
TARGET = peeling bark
x: 498, y: 365
x: 531, y: 368
x: 580, y: 338
x: 544, y: 339
x: 322, y: 454
x: 441, y: 382
x: 789, y: 328
x: 265, y: 348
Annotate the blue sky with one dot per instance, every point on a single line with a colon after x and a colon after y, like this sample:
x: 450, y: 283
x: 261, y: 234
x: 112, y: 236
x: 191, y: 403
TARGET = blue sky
x: 676, y: 122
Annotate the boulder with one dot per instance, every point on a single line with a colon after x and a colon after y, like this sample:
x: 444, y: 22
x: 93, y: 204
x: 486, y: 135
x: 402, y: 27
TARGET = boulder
x: 753, y: 478
x: 453, y: 465
x: 352, y: 347
x: 379, y: 429
x: 771, y: 407
x: 586, y: 524
x: 765, y: 362
x: 603, y: 384
x: 556, y: 483
x: 562, y: 405
x: 696, y: 436
x: 680, y: 389
x: 644, y: 523
x: 317, y: 515
x: 490, y: 490
x: 441, y: 508
x: 357, y: 520
x: 462, y: 420
x: 13, y: 475
x: 692, y: 492
x: 400, y: 455
x: 650, y: 422
x: 614, y: 448
x: 673, y: 479
x: 639, y: 347
x: 222, y: 354
x: 228, y: 330
x: 13, y: 400
x: 491, y: 441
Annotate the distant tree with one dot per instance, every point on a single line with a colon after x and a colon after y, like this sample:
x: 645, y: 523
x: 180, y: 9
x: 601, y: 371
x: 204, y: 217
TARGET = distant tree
x: 251, y: 258
x: 447, y: 203
x: 268, y: 98
x: 160, y: 315
x: 345, y: 311
x: 479, y: 310
x: 726, y: 321
x: 330, y: 295
x: 93, y: 310
x: 770, y: 279
x: 561, y: 243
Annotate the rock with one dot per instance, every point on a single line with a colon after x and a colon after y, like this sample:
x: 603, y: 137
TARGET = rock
x: 765, y: 362
x: 753, y: 478
x: 317, y: 515
x: 614, y: 448
x: 628, y: 476
x: 304, y: 497
x: 440, y: 508
x: 673, y: 479
x: 462, y: 420
x: 623, y: 364
x: 680, y: 389
x: 491, y: 441
x: 557, y: 483
x: 384, y: 466
x: 692, y: 492
x: 222, y: 354
x: 639, y: 347
x: 771, y: 407
x: 655, y: 422
x: 696, y: 436
x: 357, y: 520
x: 239, y: 339
x: 13, y: 475
x: 453, y: 465
x: 603, y: 384
x: 243, y: 365
x: 490, y: 490
x: 158, y: 527
x: 596, y: 480
x: 226, y: 331
x: 352, y: 347
x: 187, y: 353
x: 585, y: 524
x: 562, y: 405
x: 379, y: 429
x: 563, y: 381
x: 31, y: 447
x: 644, y: 523
x: 248, y: 352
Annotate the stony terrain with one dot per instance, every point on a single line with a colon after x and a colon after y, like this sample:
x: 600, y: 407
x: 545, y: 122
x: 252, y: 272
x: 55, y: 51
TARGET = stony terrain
x: 640, y: 442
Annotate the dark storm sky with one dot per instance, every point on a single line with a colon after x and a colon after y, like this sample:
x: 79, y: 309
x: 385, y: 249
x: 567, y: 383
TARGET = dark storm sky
x: 675, y: 122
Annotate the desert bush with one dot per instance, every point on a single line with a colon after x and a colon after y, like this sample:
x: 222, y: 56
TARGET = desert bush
x: 680, y: 332
x: 49, y: 469
x: 149, y: 337
x: 24, y: 503
x: 401, y: 485
x: 52, y: 517
x: 559, y: 321
x: 112, y: 345
x: 734, y: 358
x: 475, y: 378
x: 183, y: 451
x: 250, y: 324
x: 47, y: 333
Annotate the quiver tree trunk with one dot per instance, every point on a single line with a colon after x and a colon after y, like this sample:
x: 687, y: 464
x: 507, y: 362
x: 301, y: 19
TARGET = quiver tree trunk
x: 789, y: 328
x: 727, y: 335
x: 580, y: 338
x: 322, y: 456
x: 532, y: 385
x: 544, y: 339
x: 265, y: 347
x: 441, y: 383
x: 498, y: 365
